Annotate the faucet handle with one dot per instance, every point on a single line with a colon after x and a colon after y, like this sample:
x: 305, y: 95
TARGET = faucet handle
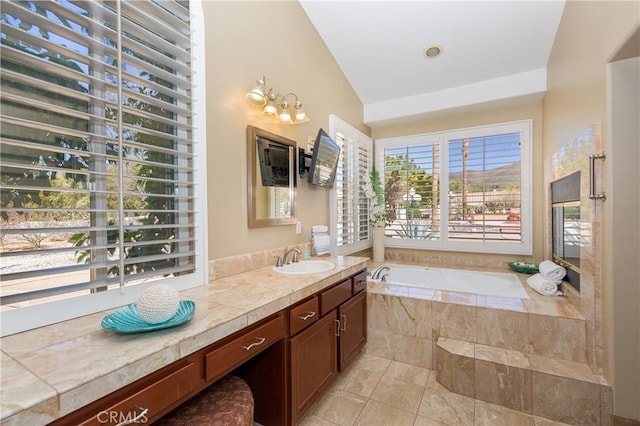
x: 295, y: 257
x: 278, y: 261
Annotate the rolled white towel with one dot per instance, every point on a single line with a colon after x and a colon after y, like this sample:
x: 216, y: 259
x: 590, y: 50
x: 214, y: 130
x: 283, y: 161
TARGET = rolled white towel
x: 552, y: 271
x: 319, y: 229
x: 543, y: 286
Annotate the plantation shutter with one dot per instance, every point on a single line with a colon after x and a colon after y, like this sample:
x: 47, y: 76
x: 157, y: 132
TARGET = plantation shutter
x: 485, y: 188
x: 350, y: 206
x: 411, y: 176
x: 353, y: 213
x: 96, y: 146
x: 460, y: 190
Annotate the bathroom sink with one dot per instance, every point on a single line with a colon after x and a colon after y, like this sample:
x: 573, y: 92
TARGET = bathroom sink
x: 305, y: 267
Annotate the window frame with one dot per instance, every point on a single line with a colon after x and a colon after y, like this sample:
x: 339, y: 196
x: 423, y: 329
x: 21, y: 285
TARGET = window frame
x: 525, y: 128
x: 42, y: 314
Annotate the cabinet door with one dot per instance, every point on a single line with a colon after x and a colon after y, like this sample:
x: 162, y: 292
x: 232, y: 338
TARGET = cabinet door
x: 353, y: 328
x: 313, y: 363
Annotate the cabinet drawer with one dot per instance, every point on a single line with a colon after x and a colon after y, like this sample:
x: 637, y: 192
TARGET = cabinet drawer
x: 333, y: 297
x: 359, y: 282
x: 223, y: 359
x: 154, y: 398
x: 303, y: 315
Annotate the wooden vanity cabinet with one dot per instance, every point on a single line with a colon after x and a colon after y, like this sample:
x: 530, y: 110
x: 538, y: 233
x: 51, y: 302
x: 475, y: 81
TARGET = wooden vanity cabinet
x: 313, y: 364
x: 287, y: 360
x: 353, y: 329
x: 145, y: 400
x: 255, y: 353
x: 322, y: 349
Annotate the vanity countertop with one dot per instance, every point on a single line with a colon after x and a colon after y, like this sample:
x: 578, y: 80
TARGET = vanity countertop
x: 52, y: 371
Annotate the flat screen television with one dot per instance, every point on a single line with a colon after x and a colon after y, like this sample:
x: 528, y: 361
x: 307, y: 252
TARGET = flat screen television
x: 324, y: 160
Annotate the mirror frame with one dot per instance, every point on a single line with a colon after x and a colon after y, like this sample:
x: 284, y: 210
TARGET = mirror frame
x: 253, y: 180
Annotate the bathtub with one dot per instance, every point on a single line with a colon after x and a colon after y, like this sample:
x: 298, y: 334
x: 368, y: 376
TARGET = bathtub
x: 485, y: 283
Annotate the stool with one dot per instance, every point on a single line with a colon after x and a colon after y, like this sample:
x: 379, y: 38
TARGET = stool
x: 228, y: 402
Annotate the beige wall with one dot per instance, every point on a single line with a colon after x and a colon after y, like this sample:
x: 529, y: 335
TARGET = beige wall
x: 589, y: 35
x: 245, y: 40
x: 522, y: 110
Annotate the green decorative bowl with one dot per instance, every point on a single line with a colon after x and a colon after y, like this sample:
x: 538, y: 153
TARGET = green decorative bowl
x: 524, y: 268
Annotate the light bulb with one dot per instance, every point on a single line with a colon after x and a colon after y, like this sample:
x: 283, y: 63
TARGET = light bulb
x: 285, y: 115
x: 256, y: 95
x: 300, y: 114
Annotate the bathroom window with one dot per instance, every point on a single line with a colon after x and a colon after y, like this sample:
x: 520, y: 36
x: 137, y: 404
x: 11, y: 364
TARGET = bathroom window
x: 99, y: 156
x: 349, y: 211
x: 460, y: 190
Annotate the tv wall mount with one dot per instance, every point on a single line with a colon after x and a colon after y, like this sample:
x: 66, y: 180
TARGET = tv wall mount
x: 304, y: 162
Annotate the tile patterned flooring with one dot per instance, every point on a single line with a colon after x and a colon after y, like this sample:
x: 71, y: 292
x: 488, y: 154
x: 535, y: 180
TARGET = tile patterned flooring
x: 379, y: 391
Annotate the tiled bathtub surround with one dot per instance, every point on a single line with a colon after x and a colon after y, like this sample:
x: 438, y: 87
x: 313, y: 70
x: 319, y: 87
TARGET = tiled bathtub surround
x: 405, y: 322
x: 562, y: 390
x: 523, y: 354
x: 570, y: 158
x: 443, y: 260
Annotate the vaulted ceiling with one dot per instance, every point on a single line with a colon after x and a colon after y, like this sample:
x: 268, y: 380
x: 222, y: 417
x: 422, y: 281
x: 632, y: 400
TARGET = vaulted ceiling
x: 491, y: 51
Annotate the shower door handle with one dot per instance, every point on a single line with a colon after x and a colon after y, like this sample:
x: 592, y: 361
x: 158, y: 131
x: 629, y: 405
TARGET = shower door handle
x: 592, y: 176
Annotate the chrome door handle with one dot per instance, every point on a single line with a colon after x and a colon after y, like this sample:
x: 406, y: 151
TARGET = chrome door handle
x: 337, y: 333
x: 258, y: 343
x: 344, y: 322
x: 592, y: 176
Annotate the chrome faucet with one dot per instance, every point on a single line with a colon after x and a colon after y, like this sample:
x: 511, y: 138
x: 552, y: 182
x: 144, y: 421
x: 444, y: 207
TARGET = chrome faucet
x: 287, y: 251
x: 376, y: 272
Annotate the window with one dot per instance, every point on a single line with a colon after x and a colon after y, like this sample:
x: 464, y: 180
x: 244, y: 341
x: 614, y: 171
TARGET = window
x: 465, y: 190
x: 98, y: 156
x: 349, y: 211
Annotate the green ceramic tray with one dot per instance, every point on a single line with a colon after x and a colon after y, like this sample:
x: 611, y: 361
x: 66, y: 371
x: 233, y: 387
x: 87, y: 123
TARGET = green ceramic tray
x: 523, y: 267
x: 127, y: 320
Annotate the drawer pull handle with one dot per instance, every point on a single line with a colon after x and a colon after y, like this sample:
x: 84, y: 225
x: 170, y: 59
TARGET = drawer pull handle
x: 258, y: 343
x: 140, y: 416
x: 337, y: 333
x: 344, y: 322
x: 310, y: 314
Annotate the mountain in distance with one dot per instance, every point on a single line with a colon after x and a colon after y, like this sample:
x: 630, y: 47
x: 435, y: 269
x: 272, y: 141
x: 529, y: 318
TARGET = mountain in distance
x: 500, y: 176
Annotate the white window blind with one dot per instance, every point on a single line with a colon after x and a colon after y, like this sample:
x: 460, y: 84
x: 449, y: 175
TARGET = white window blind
x: 465, y: 190
x: 349, y: 205
x: 97, y: 151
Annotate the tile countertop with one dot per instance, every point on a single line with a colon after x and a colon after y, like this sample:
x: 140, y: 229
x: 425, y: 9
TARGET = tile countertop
x: 54, y: 370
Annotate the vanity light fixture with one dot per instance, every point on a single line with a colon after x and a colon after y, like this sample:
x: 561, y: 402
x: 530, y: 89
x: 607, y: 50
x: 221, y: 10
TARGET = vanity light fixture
x: 276, y: 105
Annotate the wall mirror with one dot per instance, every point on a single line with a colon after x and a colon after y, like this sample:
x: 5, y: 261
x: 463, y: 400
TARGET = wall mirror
x: 271, y: 179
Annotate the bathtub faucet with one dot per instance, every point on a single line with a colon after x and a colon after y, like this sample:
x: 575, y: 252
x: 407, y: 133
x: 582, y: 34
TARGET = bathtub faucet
x: 376, y: 272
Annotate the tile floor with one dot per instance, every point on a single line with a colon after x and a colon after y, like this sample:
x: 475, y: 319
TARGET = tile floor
x: 378, y: 391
